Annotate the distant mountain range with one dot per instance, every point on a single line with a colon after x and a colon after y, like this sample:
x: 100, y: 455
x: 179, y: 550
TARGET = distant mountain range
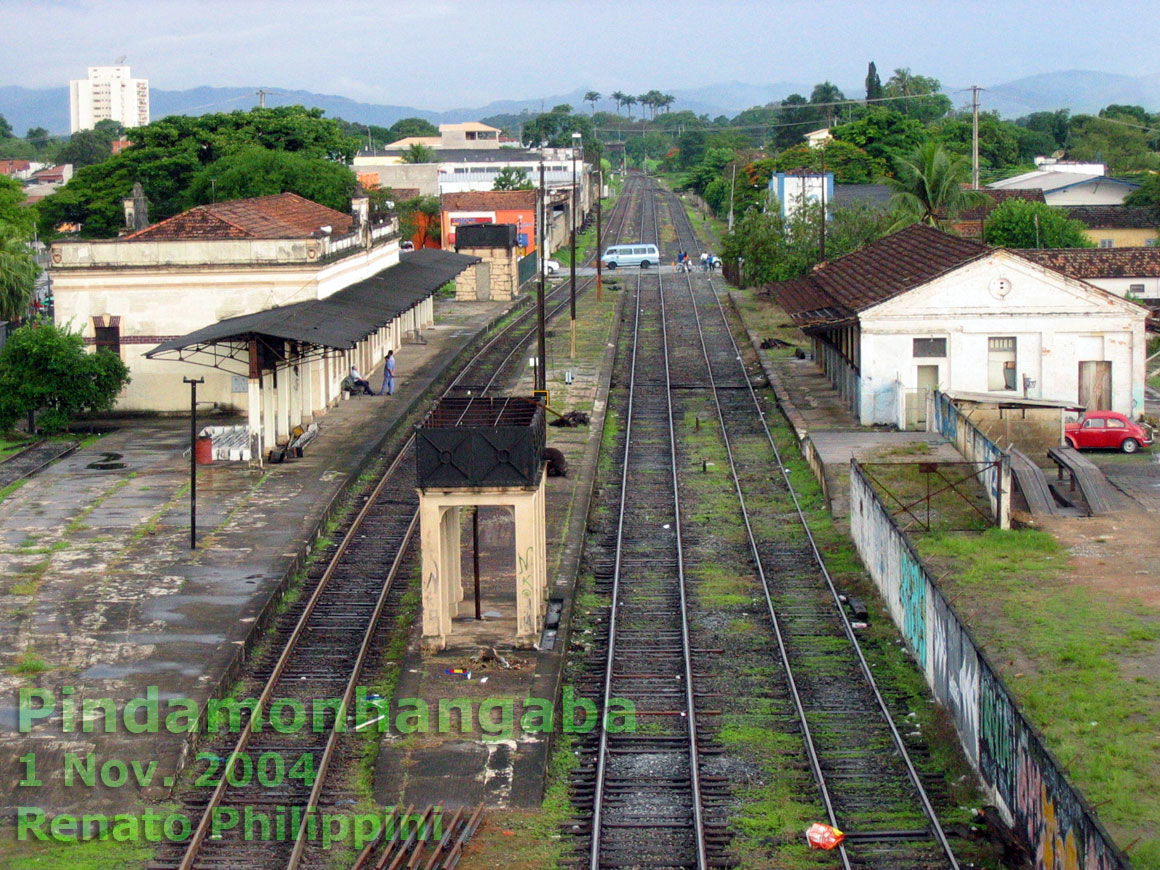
x: 1077, y: 90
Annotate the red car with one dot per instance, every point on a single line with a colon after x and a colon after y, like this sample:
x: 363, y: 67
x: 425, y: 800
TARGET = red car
x: 1108, y: 430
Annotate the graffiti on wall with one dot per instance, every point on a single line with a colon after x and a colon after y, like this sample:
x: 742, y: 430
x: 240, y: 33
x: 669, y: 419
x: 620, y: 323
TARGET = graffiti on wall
x: 1049, y: 816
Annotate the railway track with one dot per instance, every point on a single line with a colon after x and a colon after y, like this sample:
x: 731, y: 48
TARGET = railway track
x: 668, y: 648
x: 270, y: 781
x: 32, y: 459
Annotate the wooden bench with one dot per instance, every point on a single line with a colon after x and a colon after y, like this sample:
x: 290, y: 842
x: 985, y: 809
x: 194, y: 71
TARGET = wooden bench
x: 1101, y: 498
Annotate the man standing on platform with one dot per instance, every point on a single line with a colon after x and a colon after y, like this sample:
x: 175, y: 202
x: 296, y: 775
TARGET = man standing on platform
x: 388, y: 375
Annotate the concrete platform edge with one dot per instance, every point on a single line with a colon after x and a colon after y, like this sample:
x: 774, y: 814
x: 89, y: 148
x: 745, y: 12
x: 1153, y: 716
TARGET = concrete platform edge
x: 266, y: 615
x: 570, y: 565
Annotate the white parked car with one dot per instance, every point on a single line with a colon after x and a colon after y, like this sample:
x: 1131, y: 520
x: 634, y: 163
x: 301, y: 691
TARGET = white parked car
x: 552, y: 267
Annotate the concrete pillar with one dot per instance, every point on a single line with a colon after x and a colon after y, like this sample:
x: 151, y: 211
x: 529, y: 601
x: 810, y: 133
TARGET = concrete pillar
x: 309, y: 387
x: 528, y: 596
x: 254, y: 417
x: 455, y: 557
x: 294, y: 375
x: 282, y: 396
x: 269, y: 411
x: 436, y: 622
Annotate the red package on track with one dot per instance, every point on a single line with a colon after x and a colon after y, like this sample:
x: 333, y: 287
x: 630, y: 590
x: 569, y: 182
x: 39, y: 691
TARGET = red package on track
x: 824, y: 837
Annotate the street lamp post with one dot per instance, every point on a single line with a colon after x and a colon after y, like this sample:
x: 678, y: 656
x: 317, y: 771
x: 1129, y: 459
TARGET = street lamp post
x: 542, y: 362
x: 576, y: 138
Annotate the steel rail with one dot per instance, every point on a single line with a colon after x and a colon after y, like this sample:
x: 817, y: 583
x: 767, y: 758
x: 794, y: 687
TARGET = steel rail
x: 197, y: 838
x: 691, y: 714
x: 799, y: 708
x: 900, y: 746
x: 686, y: 644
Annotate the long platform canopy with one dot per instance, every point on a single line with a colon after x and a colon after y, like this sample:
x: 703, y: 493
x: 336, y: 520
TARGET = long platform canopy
x: 337, y: 322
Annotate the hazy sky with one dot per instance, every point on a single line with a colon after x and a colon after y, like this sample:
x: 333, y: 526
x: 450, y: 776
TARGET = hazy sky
x: 441, y: 54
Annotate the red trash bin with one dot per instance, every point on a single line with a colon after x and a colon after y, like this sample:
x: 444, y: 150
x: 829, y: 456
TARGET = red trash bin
x: 204, y: 450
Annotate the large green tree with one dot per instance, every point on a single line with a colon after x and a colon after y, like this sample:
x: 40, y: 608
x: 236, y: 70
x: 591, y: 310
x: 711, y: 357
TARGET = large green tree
x: 1021, y: 223
x: 5, y: 128
x: 13, y: 212
x: 928, y: 186
x: 258, y: 171
x: 18, y: 271
x: 849, y: 163
x: 917, y: 96
x: 873, y: 84
x: 45, y: 369
x: 405, y: 128
x: 168, y: 154
x: 1148, y: 194
x: 884, y: 134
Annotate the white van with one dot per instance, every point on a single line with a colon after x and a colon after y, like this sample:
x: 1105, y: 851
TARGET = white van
x: 632, y: 255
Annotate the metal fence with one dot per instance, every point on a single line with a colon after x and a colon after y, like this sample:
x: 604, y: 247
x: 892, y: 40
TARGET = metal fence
x: 944, y: 418
x: 842, y: 375
x: 1049, y: 817
x: 526, y: 267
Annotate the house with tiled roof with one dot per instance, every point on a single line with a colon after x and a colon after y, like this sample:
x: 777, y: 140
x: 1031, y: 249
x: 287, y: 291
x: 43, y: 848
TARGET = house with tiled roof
x: 276, y: 296
x: 921, y: 310
x: 970, y: 223
x: 1133, y: 272
x: 1118, y: 226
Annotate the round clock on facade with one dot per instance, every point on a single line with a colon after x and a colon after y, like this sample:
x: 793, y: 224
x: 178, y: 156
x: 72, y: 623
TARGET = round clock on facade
x: 1000, y: 287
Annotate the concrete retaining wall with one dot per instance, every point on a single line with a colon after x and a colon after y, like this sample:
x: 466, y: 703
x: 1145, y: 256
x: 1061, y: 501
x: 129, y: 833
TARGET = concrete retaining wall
x: 1048, y: 815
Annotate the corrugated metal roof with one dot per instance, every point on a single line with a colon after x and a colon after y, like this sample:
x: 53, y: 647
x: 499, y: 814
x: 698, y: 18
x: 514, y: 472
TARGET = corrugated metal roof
x: 338, y: 321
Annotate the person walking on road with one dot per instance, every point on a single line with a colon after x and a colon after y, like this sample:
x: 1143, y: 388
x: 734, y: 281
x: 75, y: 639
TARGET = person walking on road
x: 388, y: 375
x: 704, y: 261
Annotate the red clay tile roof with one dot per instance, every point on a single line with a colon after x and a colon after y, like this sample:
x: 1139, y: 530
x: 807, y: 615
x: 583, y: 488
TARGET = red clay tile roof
x: 488, y: 200
x: 1084, y: 263
x: 1115, y: 217
x: 8, y: 167
x: 281, y: 216
x: 882, y: 270
x: 998, y: 197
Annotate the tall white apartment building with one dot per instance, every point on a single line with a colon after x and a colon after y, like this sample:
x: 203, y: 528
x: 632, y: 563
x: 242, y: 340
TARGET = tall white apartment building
x: 108, y: 93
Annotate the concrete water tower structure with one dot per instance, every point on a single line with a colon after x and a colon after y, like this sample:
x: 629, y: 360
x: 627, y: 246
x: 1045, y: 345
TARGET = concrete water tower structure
x: 481, y: 452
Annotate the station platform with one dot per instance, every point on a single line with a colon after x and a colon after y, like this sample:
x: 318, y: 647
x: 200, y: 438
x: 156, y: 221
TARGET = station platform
x: 100, y: 592
x: 462, y: 765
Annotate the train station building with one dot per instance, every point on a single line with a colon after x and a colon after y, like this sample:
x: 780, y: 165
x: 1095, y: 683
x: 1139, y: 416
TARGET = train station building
x: 276, y: 296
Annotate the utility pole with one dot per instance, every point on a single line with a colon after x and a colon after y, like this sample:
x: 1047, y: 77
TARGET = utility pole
x: 576, y: 138
x: 599, y: 201
x: 193, y: 459
x: 975, y: 137
x: 732, y: 188
x: 822, y: 239
x: 542, y: 362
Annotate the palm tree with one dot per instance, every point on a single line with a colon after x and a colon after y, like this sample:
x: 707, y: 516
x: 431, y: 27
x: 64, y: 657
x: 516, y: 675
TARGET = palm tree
x: 592, y: 97
x: 825, y: 93
x: 618, y: 97
x: 419, y: 153
x: 18, y: 271
x: 928, y: 186
x: 630, y: 101
x: 667, y: 100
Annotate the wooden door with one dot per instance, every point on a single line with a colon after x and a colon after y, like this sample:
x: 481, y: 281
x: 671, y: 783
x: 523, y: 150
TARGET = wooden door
x: 1095, y: 385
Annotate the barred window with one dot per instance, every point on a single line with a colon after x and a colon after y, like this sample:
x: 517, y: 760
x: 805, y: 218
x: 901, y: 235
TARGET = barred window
x: 930, y: 347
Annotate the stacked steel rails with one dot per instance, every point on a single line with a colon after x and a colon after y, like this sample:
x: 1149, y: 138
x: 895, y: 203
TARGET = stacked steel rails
x: 263, y: 761
x: 866, y: 780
